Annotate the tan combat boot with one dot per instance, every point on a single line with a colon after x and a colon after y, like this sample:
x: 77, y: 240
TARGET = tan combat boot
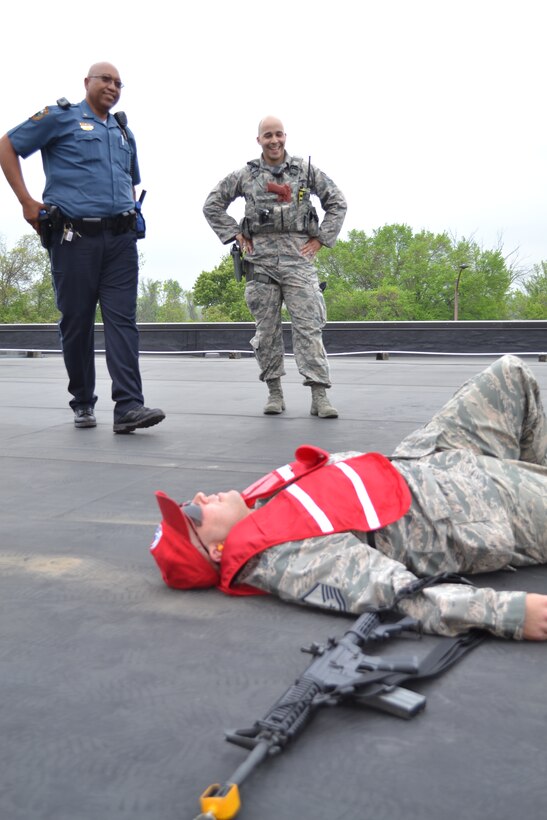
x: 320, y: 405
x: 275, y: 403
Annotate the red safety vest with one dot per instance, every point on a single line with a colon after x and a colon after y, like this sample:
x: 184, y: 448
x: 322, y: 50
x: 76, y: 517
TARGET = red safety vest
x: 313, y: 498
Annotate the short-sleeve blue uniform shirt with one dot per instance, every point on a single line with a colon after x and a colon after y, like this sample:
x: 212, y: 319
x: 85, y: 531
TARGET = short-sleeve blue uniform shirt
x: 89, y: 165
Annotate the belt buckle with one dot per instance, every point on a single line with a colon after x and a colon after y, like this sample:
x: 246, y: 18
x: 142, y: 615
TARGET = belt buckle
x: 91, y: 225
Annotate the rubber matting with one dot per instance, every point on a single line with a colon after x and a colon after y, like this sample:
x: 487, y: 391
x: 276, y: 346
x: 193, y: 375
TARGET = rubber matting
x: 115, y: 691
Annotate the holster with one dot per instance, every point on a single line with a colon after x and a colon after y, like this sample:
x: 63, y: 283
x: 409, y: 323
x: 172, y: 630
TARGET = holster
x: 45, y: 229
x: 49, y: 219
x: 124, y: 222
x: 239, y: 263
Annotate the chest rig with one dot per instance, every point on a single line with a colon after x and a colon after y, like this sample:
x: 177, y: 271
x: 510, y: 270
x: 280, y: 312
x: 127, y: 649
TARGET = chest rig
x: 278, y: 201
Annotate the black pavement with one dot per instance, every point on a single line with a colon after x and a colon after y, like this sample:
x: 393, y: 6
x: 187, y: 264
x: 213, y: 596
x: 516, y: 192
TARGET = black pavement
x: 115, y: 691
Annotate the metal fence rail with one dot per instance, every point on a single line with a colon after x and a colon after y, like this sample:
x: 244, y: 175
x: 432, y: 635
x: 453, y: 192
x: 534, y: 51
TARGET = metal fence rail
x: 340, y: 338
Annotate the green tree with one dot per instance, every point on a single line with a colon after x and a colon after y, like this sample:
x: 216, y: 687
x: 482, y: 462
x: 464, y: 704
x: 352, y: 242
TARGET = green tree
x: 148, y: 301
x: 177, y: 304
x: 530, y: 301
x: 220, y: 296
x: 398, y: 275
x: 40, y: 304
x: 165, y: 302
x: 391, y: 275
x: 26, y: 293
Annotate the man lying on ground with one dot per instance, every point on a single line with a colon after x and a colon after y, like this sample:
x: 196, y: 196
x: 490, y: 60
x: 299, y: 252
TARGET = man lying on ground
x: 463, y: 494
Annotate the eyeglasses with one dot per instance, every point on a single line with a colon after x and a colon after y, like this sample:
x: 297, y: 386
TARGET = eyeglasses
x: 106, y: 79
x: 193, y: 512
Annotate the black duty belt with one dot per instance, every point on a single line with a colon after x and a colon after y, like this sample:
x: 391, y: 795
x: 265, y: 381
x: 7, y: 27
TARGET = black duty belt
x: 251, y: 276
x: 92, y: 225
x: 107, y: 222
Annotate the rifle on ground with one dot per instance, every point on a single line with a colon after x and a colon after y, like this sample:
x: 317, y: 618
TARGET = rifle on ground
x: 340, y: 672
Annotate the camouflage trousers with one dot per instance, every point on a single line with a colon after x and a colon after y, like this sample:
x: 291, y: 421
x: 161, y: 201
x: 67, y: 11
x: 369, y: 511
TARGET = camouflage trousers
x: 498, y: 412
x: 298, y: 288
x: 487, y: 452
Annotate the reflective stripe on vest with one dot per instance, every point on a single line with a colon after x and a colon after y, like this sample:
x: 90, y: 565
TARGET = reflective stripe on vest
x: 362, y: 494
x: 311, y: 507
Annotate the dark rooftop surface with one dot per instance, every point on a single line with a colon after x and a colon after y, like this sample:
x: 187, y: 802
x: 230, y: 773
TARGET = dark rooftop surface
x: 115, y: 691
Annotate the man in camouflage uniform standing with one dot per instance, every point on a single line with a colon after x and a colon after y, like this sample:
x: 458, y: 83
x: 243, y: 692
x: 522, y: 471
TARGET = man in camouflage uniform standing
x: 280, y: 236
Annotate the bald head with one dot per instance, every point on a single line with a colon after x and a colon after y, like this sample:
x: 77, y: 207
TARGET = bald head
x: 270, y: 123
x: 104, y: 68
x: 271, y: 138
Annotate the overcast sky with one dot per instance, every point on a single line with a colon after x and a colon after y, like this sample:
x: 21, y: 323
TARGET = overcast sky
x: 430, y: 113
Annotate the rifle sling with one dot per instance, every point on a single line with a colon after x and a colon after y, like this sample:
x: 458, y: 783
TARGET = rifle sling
x: 447, y: 652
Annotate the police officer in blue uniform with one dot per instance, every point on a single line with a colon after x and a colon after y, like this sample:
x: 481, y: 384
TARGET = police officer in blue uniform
x: 87, y: 220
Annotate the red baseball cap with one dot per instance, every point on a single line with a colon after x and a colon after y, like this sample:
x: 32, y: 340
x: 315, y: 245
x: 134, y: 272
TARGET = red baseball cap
x: 181, y: 564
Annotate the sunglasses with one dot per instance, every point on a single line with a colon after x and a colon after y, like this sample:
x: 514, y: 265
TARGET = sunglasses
x: 193, y: 512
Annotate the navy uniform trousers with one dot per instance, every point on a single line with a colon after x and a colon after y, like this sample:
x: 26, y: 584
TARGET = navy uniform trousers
x: 102, y: 270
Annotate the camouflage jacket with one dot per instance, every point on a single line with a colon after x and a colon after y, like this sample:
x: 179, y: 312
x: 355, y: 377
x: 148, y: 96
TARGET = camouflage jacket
x: 457, y: 522
x: 287, y: 224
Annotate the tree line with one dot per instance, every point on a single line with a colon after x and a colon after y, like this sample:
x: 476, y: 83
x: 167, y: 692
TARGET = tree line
x: 393, y: 274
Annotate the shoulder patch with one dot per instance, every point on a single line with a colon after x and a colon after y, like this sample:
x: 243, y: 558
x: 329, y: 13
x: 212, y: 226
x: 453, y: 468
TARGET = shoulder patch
x: 40, y: 114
